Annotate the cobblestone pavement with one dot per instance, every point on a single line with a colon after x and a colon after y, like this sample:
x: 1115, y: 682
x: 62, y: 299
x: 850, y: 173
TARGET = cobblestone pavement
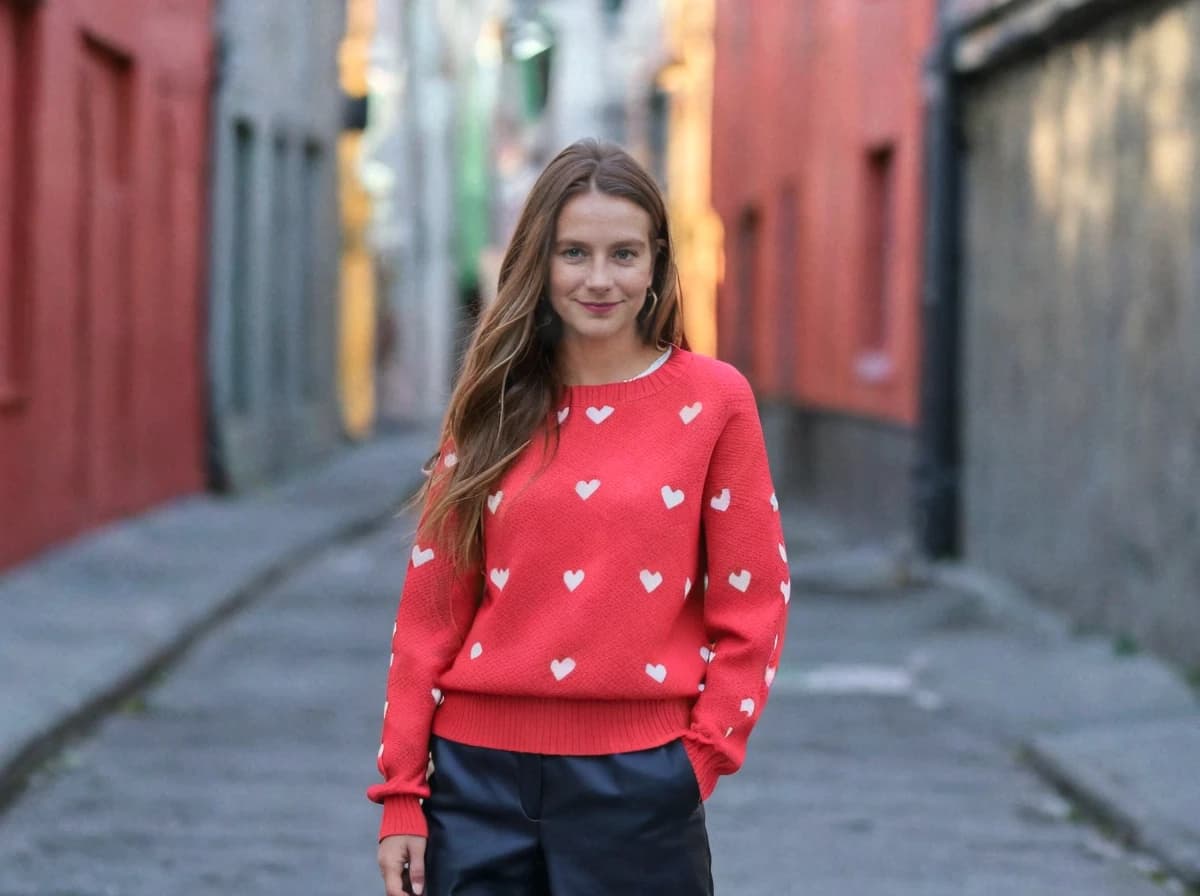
x: 243, y: 772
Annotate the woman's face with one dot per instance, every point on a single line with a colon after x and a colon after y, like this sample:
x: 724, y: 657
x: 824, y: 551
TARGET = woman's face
x: 601, y: 266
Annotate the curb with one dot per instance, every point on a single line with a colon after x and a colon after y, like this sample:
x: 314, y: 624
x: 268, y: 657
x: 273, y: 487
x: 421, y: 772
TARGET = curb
x: 868, y: 570
x: 156, y: 648
x: 1105, y: 785
x: 1130, y: 817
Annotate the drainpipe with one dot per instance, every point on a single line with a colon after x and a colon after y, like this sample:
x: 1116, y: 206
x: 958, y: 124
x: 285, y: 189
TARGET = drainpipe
x: 937, y: 492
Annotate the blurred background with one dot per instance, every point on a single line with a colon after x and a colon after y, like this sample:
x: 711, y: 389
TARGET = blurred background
x: 954, y: 245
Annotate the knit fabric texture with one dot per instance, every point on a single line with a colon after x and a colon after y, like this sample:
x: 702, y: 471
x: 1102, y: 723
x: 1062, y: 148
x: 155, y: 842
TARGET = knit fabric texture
x: 633, y: 590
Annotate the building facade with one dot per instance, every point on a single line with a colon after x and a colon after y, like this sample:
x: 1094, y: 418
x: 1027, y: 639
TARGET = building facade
x: 686, y: 81
x: 408, y: 167
x: 275, y: 239
x: 358, y: 311
x: 817, y: 178
x: 1080, y: 312
x: 103, y: 145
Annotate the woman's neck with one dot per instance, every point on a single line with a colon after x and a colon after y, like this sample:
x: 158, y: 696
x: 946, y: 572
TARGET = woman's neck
x: 595, y: 365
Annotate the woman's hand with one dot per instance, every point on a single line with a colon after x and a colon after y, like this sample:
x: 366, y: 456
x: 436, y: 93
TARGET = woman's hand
x: 396, y: 852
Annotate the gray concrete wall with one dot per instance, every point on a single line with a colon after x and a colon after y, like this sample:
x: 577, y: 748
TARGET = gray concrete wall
x: 855, y: 471
x: 1082, y: 326
x: 275, y: 238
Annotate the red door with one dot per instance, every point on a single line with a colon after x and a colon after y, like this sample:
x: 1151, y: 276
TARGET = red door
x: 106, y: 361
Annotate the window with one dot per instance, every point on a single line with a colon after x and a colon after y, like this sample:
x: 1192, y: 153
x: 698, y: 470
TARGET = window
x: 747, y: 288
x: 241, y: 272
x: 311, y: 228
x: 787, y: 253
x: 282, y: 272
x: 15, y: 126
x: 874, y: 362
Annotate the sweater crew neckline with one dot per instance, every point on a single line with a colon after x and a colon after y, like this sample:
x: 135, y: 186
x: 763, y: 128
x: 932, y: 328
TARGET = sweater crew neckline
x: 639, y: 387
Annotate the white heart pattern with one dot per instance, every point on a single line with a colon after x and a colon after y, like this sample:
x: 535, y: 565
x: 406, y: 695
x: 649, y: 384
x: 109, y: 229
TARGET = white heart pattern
x: 672, y: 497
x: 658, y: 673
x: 721, y: 501
x: 572, y: 578
x: 690, y: 412
x: 747, y: 706
x: 451, y: 459
x: 381, y: 751
x: 599, y: 415
x: 785, y: 588
x: 701, y: 686
x: 707, y: 654
x: 494, y: 501
x: 437, y: 696
x: 476, y: 650
x: 783, y: 553
x: 650, y: 580
x: 740, y: 580
x: 586, y: 489
x: 385, y: 706
x: 562, y: 413
x: 499, y: 578
x: 562, y: 668
x: 729, y: 731
x: 770, y: 675
x: 774, y: 502
x: 421, y: 557
x: 687, y: 587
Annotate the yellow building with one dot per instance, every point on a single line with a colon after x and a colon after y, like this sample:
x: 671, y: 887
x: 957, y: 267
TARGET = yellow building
x: 697, y: 231
x: 356, y: 353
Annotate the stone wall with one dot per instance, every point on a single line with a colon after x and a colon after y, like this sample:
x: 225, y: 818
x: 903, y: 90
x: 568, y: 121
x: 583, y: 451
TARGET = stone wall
x: 1081, y: 295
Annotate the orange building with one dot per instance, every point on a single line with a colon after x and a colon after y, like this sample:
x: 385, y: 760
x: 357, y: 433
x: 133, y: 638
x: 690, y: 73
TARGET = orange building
x: 103, y: 138
x: 817, y: 161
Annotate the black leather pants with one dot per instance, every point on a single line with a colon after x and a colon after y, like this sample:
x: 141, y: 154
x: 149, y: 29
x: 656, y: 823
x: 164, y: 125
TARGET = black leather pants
x: 523, y: 824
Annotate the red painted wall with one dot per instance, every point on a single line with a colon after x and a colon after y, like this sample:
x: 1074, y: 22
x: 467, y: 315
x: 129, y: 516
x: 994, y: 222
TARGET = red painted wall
x: 817, y: 158
x: 103, y: 144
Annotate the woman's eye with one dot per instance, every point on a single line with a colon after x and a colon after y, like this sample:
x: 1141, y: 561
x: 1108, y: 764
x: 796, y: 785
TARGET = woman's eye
x: 625, y: 255
x: 573, y: 252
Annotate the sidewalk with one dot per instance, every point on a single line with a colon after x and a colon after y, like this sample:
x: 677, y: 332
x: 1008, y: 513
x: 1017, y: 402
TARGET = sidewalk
x: 876, y: 636
x: 1118, y: 734
x: 88, y: 623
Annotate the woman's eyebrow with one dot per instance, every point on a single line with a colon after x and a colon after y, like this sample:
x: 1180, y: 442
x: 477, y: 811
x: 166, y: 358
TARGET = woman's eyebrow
x: 619, y: 244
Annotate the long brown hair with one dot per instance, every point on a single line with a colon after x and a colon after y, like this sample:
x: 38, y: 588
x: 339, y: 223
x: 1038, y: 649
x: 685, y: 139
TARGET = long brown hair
x: 510, y: 381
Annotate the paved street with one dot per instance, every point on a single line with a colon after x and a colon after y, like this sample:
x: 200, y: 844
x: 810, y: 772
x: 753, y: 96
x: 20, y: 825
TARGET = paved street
x: 243, y: 771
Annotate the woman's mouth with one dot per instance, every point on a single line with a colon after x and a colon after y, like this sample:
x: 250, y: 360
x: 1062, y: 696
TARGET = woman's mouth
x: 599, y: 307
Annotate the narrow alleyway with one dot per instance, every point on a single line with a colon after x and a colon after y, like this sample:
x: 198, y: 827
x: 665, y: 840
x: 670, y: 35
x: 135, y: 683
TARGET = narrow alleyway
x: 243, y: 772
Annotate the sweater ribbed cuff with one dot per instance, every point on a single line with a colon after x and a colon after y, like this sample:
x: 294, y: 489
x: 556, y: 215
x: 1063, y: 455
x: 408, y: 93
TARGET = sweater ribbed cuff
x: 403, y: 815
x: 706, y: 763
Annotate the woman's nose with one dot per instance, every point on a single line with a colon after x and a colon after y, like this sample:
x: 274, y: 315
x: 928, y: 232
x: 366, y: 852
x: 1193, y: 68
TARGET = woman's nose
x: 599, y: 276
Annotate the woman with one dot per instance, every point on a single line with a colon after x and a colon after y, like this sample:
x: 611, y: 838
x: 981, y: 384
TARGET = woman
x: 597, y: 592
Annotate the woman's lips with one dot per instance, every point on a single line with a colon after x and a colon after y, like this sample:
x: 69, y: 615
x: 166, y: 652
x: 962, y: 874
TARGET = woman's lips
x: 599, y: 307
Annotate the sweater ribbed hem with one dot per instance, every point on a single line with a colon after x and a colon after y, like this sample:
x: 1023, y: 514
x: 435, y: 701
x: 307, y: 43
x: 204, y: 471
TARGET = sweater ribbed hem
x: 561, y: 727
x: 706, y: 763
x: 403, y: 815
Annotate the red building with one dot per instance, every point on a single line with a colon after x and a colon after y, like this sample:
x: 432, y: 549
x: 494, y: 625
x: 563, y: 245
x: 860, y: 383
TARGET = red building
x: 103, y: 108
x: 817, y: 159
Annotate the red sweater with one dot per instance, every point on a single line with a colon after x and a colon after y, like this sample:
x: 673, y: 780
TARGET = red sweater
x: 632, y: 591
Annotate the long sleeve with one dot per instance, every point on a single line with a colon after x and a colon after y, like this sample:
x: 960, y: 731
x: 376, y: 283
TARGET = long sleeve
x: 745, y: 605
x: 437, y: 605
